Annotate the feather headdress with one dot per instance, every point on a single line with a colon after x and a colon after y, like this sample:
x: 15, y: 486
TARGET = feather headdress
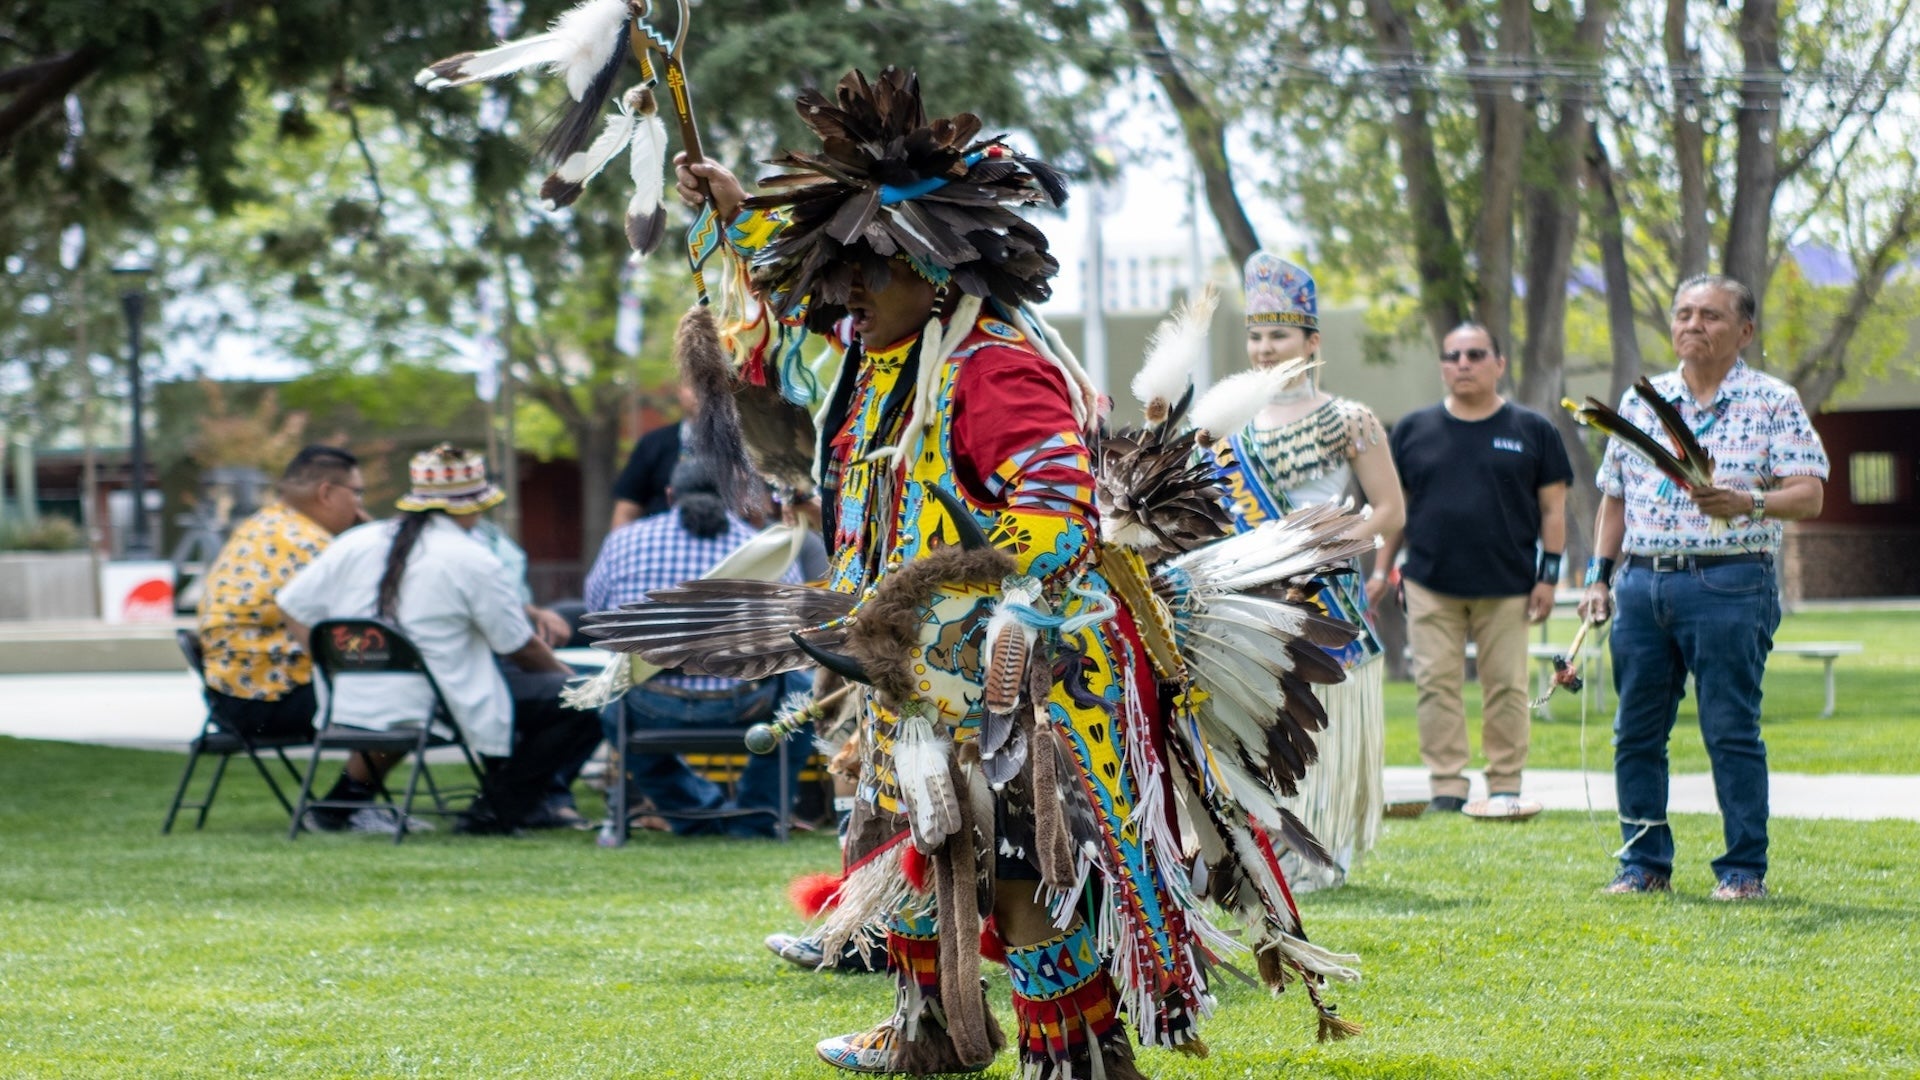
x: 889, y: 183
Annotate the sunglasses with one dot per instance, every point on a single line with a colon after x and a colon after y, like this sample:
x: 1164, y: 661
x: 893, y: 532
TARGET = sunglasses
x: 1473, y: 356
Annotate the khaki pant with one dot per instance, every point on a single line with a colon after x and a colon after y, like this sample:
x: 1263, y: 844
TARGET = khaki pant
x: 1438, y: 629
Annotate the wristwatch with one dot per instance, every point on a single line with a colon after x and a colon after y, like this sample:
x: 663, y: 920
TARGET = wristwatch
x: 1759, y: 504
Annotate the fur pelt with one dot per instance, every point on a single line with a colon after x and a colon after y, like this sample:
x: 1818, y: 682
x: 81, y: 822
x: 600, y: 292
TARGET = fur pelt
x: 934, y: 1054
x: 716, y: 435
x: 890, y: 623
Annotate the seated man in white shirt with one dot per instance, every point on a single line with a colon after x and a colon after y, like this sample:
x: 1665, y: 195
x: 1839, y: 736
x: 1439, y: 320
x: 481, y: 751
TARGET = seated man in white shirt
x: 425, y: 573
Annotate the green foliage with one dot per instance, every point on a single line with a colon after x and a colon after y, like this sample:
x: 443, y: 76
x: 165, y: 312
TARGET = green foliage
x: 1486, y: 951
x: 49, y: 533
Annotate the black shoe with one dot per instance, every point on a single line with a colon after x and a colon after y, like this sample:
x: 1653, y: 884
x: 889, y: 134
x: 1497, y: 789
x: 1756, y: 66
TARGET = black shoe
x: 326, y: 819
x: 1446, y: 804
x: 480, y: 820
x: 556, y: 816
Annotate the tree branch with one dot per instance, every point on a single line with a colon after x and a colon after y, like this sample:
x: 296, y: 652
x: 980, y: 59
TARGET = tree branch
x: 1816, y: 375
x: 1875, y: 67
x: 1200, y: 123
x: 344, y: 106
x: 46, y: 83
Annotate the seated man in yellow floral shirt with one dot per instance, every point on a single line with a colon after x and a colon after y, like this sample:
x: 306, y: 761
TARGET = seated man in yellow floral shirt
x: 259, y: 679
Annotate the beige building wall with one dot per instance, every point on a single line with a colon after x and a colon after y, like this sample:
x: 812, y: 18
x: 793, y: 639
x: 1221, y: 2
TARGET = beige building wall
x: 1408, y: 381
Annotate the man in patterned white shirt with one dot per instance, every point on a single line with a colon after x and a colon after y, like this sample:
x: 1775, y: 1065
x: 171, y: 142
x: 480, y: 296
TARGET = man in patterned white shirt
x: 1696, y: 591
x: 655, y: 553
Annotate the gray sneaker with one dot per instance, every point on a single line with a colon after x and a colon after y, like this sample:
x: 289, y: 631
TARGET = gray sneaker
x: 384, y: 821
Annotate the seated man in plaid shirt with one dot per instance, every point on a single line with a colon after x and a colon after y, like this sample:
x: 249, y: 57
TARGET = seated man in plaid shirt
x: 655, y: 553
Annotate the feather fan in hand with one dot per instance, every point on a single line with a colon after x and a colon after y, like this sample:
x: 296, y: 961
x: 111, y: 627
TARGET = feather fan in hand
x: 1689, y: 465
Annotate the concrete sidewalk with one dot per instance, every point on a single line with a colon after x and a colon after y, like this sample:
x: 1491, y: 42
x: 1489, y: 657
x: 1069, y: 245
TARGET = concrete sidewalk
x: 163, y: 711
x: 1850, y: 796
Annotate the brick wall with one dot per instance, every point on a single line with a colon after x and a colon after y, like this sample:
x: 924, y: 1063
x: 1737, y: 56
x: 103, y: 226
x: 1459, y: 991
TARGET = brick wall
x: 1834, y: 561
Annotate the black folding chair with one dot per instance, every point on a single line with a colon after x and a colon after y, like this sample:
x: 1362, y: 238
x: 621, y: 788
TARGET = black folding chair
x: 692, y: 740
x: 218, y: 740
x: 372, y: 647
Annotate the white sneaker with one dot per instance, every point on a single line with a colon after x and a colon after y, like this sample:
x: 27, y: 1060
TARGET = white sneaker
x: 383, y: 821
x: 1504, y: 807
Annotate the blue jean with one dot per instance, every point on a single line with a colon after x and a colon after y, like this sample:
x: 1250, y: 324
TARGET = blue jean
x: 1716, y: 622
x: 672, y: 786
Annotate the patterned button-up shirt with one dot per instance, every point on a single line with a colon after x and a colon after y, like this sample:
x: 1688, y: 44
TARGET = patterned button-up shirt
x: 249, y: 653
x: 656, y: 553
x: 1757, y: 433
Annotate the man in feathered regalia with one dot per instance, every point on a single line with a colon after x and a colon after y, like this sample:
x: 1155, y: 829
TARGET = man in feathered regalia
x: 1046, y: 711
x: 1062, y: 668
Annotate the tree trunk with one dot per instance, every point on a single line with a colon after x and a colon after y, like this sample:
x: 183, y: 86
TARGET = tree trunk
x: 1611, y: 236
x: 1756, y: 173
x: 1205, y: 133
x: 1690, y: 102
x: 1552, y: 228
x: 598, y: 441
x: 1506, y: 132
x: 1446, y: 294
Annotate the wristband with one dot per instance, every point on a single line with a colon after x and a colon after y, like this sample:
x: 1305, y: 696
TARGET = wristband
x: 1599, y: 570
x: 1759, y: 504
x: 1546, y: 570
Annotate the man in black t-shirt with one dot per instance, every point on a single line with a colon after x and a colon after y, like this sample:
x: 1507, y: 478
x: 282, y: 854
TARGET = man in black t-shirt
x: 641, y: 490
x: 1486, y: 484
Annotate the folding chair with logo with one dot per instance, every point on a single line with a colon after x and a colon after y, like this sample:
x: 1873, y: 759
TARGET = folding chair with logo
x: 218, y: 740
x: 363, y: 647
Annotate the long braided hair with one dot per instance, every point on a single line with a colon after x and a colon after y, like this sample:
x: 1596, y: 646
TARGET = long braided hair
x: 412, y: 522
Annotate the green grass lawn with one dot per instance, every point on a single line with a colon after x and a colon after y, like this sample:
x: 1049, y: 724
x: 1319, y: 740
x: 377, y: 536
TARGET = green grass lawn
x: 1875, y: 727
x: 1486, y: 948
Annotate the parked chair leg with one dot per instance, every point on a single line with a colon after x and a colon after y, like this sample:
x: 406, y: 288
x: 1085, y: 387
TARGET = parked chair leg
x: 219, y: 771
x: 180, y: 793
x: 306, y: 793
x: 617, y: 794
x: 413, y: 784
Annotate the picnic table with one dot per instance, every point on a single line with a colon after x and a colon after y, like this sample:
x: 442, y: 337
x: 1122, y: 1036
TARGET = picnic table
x: 1824, y: 651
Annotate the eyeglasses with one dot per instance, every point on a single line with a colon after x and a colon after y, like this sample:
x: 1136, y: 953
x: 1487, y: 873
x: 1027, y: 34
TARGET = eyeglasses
x: 1472, y: 356
x: 359, y: 493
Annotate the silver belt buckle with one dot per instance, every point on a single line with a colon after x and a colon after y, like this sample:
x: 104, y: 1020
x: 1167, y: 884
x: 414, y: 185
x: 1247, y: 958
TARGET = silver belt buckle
x: 1667, y: 564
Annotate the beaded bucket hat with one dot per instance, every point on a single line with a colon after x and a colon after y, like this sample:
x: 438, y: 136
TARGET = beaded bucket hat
x: 1280, y: 293
x: 450, y: 479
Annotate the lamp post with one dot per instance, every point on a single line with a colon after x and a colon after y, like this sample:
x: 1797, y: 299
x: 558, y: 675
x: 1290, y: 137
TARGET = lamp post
x: 133, y: 301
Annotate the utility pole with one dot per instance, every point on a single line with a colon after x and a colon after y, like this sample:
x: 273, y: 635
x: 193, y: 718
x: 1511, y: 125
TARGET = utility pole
x: 133, y: 301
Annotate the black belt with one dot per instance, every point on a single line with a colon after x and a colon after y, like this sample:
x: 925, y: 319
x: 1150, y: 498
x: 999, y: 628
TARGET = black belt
x: 1662, y: 564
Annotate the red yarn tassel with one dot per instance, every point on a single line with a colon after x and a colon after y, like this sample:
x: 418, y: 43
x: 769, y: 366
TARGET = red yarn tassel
x: 813, y: 894
x: 991, y: 947
x: 918, y: 868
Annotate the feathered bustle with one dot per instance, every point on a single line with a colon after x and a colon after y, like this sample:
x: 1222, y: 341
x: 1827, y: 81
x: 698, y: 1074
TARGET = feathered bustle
x: 1176, y: 348
x: 1234, y: 401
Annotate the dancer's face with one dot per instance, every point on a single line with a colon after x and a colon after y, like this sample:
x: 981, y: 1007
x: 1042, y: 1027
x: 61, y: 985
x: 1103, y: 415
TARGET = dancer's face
x: 893, y: 310
x: 1269, y: 345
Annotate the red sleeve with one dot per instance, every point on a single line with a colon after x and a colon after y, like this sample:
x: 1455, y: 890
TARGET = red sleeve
x: 1006, y: 402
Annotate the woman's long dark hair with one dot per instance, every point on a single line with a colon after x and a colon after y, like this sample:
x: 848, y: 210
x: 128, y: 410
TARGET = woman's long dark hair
x: 411, y: 523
